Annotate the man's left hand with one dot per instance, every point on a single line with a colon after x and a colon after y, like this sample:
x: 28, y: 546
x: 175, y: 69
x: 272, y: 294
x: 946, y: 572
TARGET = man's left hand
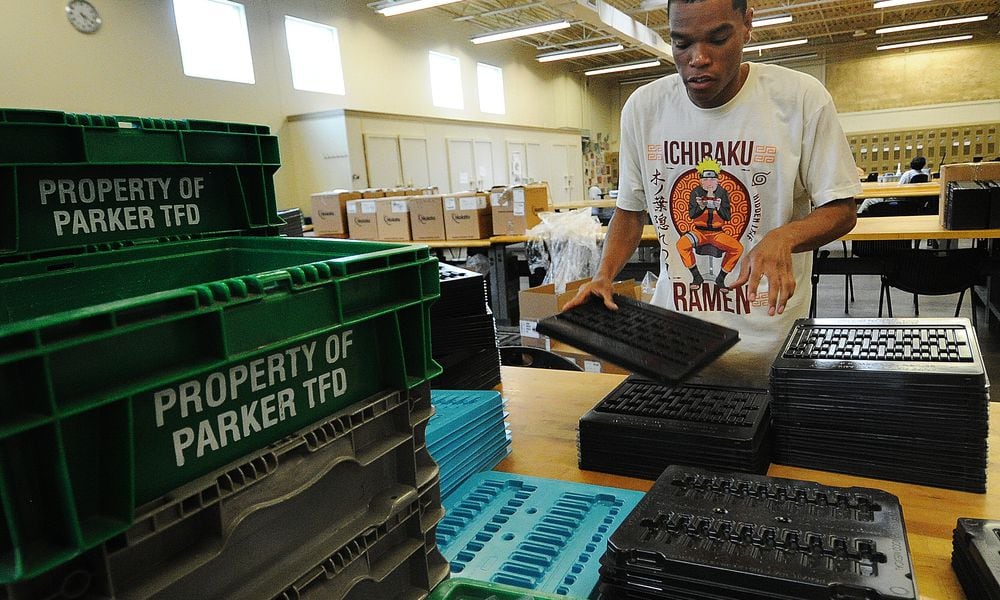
x: 771, y: 259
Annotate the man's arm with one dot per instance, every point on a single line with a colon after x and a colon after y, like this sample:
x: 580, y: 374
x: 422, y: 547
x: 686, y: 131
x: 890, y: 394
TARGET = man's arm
x: 624, y: 234
x: 772, y: 257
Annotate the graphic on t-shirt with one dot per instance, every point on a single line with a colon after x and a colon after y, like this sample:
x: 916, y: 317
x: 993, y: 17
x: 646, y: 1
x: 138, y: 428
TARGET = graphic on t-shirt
x: 710, y: 210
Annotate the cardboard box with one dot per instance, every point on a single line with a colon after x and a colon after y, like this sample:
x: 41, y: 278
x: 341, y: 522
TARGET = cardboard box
x: 329, y: 212
x: 393, y: 218
x: 361, y: 223
x: 467, y: 217
x: 515, y: 210
x: 964, y: 172
x: 426, y: 217
x: 372, y: 193
x: 539, y: 302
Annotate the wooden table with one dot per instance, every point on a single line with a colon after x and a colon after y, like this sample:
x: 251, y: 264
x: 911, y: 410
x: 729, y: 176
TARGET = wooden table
x: 915, y: 227
x: 874, y: 189
x: 545, y: 408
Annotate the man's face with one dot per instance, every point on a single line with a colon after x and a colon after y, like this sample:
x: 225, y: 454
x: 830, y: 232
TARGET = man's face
x: 709, y: 183
x: 707, y: 38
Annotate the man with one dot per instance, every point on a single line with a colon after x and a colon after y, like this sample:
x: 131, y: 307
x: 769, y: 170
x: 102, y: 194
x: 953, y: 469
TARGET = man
x: 916, y: 168
x: 780, y: 149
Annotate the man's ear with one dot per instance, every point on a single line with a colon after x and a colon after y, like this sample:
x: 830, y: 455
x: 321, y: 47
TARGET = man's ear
x: 748, y: 22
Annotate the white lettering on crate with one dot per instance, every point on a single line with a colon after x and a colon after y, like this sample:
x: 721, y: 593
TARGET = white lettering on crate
x: 259, y: 391
x: 69, y: 193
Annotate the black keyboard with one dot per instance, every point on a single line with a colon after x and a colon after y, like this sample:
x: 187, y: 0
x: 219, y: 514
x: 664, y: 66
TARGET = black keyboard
x: 661, y: 344
x: 698, y: 404
x: 931, y: 343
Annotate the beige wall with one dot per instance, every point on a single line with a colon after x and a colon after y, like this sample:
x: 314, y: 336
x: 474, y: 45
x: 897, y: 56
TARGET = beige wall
x: 132, y: 66
x: 900, y: 79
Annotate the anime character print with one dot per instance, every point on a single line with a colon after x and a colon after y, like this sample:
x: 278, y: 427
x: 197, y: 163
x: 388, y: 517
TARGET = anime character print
x: 710, y: 210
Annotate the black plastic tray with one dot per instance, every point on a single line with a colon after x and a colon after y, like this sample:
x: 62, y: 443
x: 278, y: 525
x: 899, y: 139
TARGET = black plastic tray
x: 976, y: 557
x: 661, y: 344
x: 791, y: 362
x: 774, y: 537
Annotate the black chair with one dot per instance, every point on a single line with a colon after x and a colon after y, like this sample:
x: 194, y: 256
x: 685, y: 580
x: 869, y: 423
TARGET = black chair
x: 872, y: 177
x: 527, y: 356
x: 919, y: 178
x: 892, y: 207
x: 934, y: 273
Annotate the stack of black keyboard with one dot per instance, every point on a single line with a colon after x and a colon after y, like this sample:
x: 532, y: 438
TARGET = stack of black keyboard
x: 702, y: 535
x: 463, y: 333
x: 644, y: 426
x: 661, y: 344
x: 900, y: 399
x: 971, y: 205
x: 975, y: 557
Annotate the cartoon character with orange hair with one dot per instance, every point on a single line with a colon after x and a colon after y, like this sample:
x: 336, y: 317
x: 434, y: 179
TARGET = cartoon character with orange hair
x: 709, y: 209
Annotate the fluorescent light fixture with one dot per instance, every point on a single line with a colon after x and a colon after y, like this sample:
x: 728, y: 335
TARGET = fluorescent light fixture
x: 955, y: 38
x: 927, y: 24
x: 519, y: 31
x: 891, y: 3
x: 398, y: 8
x: 626, y: 67
x: 792, y: 58
x: 565, y: 54
x: 772, y: 21
x: 772, y: 45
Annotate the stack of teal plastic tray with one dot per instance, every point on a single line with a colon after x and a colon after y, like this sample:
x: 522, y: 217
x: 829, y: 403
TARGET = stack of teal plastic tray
x: 467, y: 435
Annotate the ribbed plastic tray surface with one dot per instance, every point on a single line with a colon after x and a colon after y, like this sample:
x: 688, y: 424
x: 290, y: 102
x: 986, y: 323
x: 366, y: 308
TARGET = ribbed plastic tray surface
x: 661, y: 344
x: 766, y: 536
x: 454, y: 408
x: 976, y: 557
x: 539, y: 534
x: 691, y: 403
x: 917, y: 349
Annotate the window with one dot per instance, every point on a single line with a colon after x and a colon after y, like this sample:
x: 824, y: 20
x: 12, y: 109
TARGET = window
x: 314, y: 51
x: 446, y: 81
x: 490, y: 89
x: 214, y: 40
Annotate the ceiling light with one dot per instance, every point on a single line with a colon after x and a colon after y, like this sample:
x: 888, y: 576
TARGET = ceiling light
x: 792, y: 58
x: 625, y: 67
x: 398, y: 8
x: 507, y: 34
x: 564, y: 54
x: 772, y: 21
x: 927, y: 24
x: 889, y: 3
x: 775, y: 45
x: 956, y: 38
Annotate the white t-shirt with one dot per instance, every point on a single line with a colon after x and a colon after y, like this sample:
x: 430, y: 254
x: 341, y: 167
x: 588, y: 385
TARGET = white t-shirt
x: 777, y: 149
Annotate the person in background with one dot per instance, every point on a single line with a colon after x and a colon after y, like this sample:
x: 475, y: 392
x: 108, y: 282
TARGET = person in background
x: 916, y: 168
x: 784, y: 163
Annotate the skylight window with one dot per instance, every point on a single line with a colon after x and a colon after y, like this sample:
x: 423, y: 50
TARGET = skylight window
x: 446, y: 81
x: 214, y: 40
x: 491, y: 98
x: 314, y: 52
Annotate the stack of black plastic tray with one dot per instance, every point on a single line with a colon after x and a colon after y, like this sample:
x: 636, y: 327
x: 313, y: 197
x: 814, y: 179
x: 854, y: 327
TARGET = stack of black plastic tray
x: 463, y: 333
x: 975, y: 557
x: 713, y: 536
x: 293, y: 226
x: 661, y: 344
x: 644, y: 426
x: 900, y: 399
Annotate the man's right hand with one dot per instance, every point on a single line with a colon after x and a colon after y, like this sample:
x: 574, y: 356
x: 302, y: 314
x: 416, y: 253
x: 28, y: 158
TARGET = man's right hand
x: 601, y: 288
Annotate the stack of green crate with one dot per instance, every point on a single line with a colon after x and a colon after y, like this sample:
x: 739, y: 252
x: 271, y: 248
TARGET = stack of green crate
x: 192, y: 404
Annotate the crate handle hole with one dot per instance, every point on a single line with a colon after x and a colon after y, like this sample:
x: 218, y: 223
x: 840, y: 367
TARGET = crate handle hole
x: 61, y: 266
x: 76, y: 584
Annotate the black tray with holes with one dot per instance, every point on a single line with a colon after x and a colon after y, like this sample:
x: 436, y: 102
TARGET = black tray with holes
x: 935, y: 351
x: 975, y: 557
x: 463, y: 292
x: 731, y: 535
x: 661, y: 344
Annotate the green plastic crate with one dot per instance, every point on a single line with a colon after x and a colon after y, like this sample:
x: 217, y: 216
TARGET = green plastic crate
x: 130, y: 366
x: 458, y: 588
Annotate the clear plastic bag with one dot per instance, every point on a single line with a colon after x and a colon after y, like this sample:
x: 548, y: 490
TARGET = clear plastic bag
x: 566, y: 245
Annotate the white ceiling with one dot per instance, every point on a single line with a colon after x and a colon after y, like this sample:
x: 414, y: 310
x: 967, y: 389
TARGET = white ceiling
x: 836, y: 29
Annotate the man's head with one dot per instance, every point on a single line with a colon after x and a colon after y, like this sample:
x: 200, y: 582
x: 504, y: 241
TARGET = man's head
x: 707, y: 37
x: 918, y: 162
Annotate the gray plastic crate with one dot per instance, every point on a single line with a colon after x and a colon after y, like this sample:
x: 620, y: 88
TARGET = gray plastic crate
x: 254, y: 529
